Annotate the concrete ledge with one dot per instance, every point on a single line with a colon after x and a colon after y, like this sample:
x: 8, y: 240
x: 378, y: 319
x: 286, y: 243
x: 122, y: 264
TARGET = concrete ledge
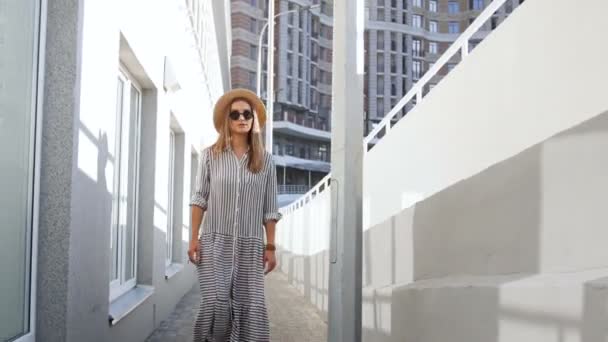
x: 126, y: 303
x: 172, y: 270
x: 539, y: 308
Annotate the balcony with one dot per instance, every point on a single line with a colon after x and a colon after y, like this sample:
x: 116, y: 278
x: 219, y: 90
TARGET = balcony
x: 306, y: 129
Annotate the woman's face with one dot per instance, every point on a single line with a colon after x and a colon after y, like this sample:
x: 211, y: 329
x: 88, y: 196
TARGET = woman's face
x: 241, y: 123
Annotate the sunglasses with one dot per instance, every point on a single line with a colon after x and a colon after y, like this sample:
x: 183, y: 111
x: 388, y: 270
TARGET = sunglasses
x: 235, y: 115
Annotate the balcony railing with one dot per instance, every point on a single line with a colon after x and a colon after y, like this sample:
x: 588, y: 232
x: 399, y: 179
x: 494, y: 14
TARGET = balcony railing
x: 302, y: 122
x: 292, y: 189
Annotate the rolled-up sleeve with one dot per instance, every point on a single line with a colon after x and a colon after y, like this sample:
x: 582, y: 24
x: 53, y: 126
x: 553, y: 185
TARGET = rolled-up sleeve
x: 201, y: 193
x: 271, y: 210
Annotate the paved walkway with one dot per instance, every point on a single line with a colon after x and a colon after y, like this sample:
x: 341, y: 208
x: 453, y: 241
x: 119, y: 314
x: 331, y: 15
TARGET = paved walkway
x: 292, y: 318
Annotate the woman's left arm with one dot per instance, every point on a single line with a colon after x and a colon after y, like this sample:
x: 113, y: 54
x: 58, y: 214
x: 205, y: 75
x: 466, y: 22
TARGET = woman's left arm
x: 271, y: 216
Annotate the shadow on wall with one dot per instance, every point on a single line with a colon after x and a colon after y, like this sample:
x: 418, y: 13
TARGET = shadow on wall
x: 91, y: 222
x: 447, y: 261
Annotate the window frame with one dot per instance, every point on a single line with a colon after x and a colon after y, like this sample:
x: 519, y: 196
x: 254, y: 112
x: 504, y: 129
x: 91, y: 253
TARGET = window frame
x: 453, y: 7
x: 433, y: 26
x: 121, y: 286
x: 433, y: 6
x: 35, y: 148
x: 417, y: 23
x: 170, y: 236
x: 453, y: 24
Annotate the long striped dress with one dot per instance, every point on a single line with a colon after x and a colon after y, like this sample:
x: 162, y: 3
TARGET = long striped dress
x: 231, y: 272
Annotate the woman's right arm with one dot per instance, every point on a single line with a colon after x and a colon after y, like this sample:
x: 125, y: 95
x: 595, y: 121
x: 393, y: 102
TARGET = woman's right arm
x: 198, y: 203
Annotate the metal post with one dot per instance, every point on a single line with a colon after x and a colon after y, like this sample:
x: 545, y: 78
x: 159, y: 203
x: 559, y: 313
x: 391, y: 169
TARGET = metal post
x: 270, y: 76
x: 260, y: 48
x: 347, y: 171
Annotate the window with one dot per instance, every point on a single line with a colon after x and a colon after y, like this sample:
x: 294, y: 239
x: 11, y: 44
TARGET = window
x: 380, y: 62
x: 433, y: 5
x: 453, y: 7
x: 380, y: 90
x: 380, y: 107
x: 123, y: 244
x: 289, y: 149
x: 417, y: 3
x: 19, y: 35
x: 252, y: 80
x: 290, y: 64
x: 403, y: 65
x: 404, y: 4
x: 253, y: 52
x: 380, y: 40
x: 416, y: 47
x: 289, y: 90
x: 394, y: 16
x: 380, y: 3
x: 454, y: 27
x: 323, y: 152
x: 478, y: 5
x: 301, y: 67
x: 393, y: 41
x: 170, y: 212
x: 404, y: 18
x: 380, y: 14
x: 393, y: 87
x: 393, y: 63
x: 417, y: 21
x: 433, y: 26
x: 433, y: 48
x: 404, y: 43
x: 289, y: 39
x: 416, y: 69
x: 253, y: 25
x: 394, y: 3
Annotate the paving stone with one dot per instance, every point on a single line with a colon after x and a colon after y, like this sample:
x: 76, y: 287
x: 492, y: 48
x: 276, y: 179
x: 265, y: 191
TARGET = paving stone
x: 292, y: 317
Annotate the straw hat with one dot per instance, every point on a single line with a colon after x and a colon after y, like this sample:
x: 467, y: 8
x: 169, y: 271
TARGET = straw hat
x: 223, y: 106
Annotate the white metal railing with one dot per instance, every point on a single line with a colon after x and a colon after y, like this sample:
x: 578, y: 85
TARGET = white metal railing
x: 461, y: 45
x: 320, y: 187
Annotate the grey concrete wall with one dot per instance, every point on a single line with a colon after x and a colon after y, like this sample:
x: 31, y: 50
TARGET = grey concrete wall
x: 60, y: 81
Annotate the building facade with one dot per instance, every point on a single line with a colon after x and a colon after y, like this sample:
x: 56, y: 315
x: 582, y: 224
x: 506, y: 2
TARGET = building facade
x: 101, y: 124
x: 302, y: 109
x: 405, y: 37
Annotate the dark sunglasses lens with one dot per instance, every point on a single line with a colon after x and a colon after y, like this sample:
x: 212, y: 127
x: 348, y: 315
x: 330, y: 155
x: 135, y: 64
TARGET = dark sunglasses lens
x: 234, y: 115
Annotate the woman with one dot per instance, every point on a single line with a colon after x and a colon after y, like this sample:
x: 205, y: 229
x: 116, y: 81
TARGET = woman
x: 236, y: 191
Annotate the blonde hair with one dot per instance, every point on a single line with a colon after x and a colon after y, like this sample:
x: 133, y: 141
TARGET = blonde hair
x: 256, y: 146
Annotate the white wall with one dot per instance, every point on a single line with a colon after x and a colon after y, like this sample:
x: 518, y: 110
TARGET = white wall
x: 519, y: 87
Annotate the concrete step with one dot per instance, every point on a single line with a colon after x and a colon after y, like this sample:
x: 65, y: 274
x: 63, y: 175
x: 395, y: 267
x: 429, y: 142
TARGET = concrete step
x: 535, y: 308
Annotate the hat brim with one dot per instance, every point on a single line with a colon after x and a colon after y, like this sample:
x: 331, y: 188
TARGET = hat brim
x: 223, y: 106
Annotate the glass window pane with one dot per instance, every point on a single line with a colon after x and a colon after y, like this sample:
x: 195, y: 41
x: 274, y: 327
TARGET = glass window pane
x: 130, y: 184
x: 19, y: 36
x: 114, y: 242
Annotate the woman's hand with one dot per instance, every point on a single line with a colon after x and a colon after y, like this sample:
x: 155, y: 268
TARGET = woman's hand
x: 270, y: 261
x: 193, y: 252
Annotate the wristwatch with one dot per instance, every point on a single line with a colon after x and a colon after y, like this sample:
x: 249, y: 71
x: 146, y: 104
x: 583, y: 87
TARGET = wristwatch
x: 271, y: 247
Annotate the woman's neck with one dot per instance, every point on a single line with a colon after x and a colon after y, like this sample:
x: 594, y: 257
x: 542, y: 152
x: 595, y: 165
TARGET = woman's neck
x: 239, y: 142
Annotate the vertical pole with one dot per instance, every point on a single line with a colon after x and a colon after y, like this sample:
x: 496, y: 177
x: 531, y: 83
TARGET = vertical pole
x: 270, y: 75
x: 347, y: 173
x: 309, y: 179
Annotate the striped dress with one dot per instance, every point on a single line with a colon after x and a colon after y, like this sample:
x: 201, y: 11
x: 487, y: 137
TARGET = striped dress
x: 231, y: 272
